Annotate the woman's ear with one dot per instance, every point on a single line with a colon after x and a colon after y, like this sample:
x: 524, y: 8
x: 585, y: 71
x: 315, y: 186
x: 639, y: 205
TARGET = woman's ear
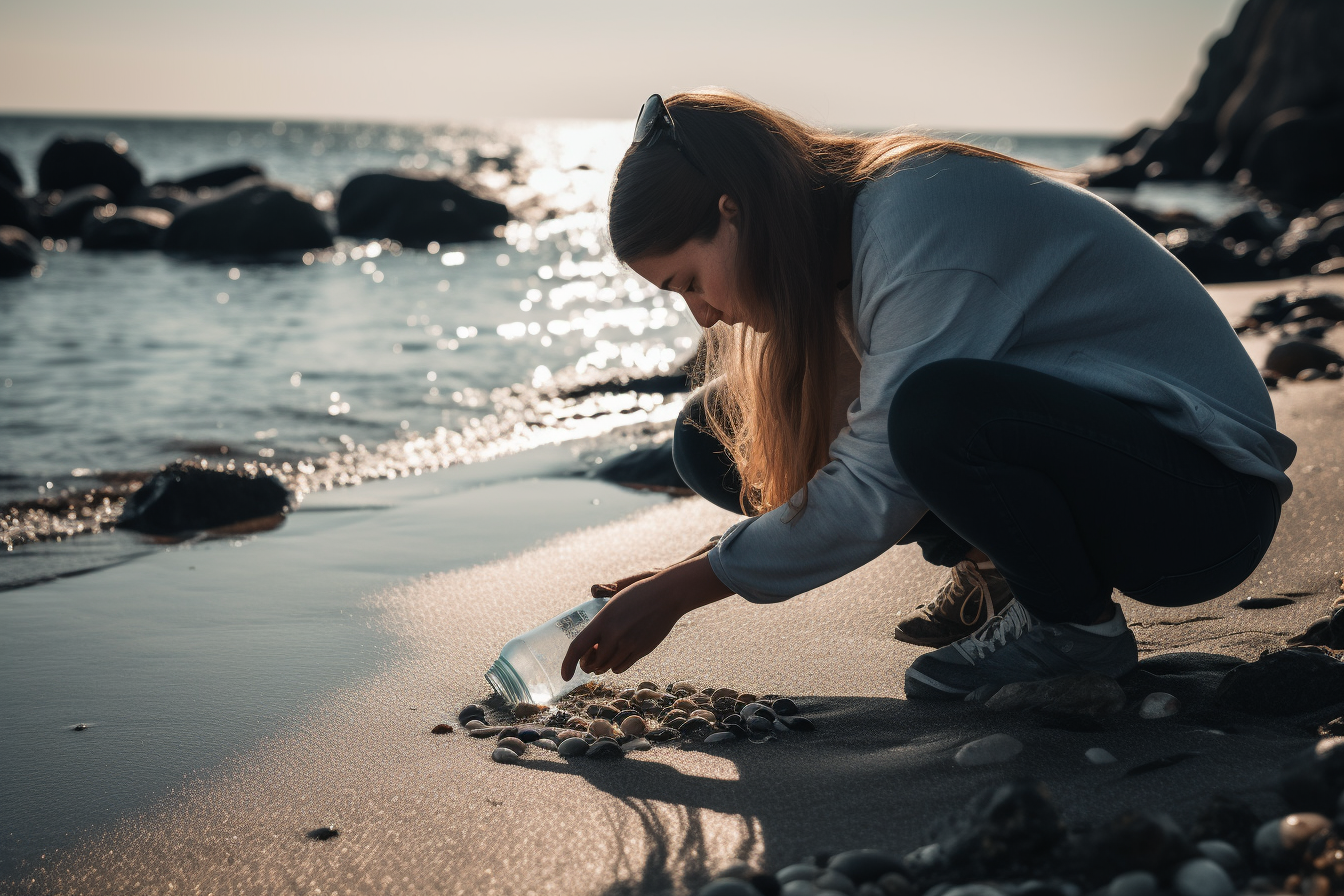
x: 727, y: 209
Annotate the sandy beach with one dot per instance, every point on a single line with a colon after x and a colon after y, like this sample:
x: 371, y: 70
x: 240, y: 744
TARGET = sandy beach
x: 291, y: 681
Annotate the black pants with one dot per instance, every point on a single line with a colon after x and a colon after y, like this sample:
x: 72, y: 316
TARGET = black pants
x: 1070, y: 492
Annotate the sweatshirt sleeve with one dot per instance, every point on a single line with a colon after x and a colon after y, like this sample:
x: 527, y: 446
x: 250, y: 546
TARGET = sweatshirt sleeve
x: 858, y: 505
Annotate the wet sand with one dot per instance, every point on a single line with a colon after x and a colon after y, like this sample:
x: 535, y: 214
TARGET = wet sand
x: 425, y: 813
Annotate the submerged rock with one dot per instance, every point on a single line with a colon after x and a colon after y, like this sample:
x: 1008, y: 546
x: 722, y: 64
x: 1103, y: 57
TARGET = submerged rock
x: 126, y: 228
x: 643, y: 468
x: 415, y: 208
x: 68, y: 163
x: 188, y: 499
x: 65, y: 211
x: 253, y: 220
x: 18, y: 252
x: 216, y: 178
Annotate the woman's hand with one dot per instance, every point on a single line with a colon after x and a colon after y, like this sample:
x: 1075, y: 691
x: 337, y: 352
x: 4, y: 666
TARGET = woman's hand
x: 640, y: 616
x: 620, y: 585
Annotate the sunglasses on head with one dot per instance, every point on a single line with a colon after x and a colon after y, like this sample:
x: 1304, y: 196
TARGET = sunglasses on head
x: 655, y: 122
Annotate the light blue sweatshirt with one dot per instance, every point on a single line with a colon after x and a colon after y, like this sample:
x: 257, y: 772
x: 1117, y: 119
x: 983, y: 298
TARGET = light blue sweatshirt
x: 960, y: 257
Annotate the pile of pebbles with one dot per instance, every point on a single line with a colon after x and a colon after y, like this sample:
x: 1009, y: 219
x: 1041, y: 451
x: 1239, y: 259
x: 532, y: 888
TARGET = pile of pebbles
x: 1010, y: 840
x: 599, y: 721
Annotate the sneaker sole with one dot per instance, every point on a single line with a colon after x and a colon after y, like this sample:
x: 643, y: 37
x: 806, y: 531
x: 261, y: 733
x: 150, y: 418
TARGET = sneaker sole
x: 919, y: 686
x: 927, y: 642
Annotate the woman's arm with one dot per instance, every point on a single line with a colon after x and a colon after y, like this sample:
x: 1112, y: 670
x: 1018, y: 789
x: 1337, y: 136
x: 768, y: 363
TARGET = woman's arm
x: 610, y: 590
x: 640, y: 616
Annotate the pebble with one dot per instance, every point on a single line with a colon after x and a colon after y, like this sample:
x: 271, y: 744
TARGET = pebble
x: 637, y: 744
x: 648, y: 695
x: 684, y: 686
x: 324, y: 833
x: 484, y: 732
x: 512, y: 743
x: 546, y: 743
x: 799, y: 888
x: 728, y: 886
x: 528, y: 735
x: 470, y: 711
x: 706, y: 715
x: 1203, y: 877
x: 504, y: 755
x: 865, y: 865
x: 750, y: 710
x: 1159, y: 706
x: 1098, y: 756
x: 799, y: 723
x: 896, y: 884
x: 780, y: 726
x: 1133, y: 883
x: 601, y: 728
x: 834, y: 880
x: 474, y: 725
x: 661, y: 735
x: 989, y: 750
x: 1311, y: 373
x: 605, y: 749
x: 797, y: 872
x: 1220, y: 851
x: 785, y: 707
x: 723, y: 694
x: 719, y: 737
x: 526, y: 710
x: 635, y: 726
x: 441, y: 729
x: 759, y: 725
x: 573, y: 746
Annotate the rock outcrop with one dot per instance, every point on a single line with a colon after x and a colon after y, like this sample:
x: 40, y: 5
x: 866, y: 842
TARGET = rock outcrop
x: 253, y: 220
x: 133, y: 228
x: 415, y: 209
x: 1268, y: 110
x: 68, y: 163
x: 189, y: 499
x: 9, y: 174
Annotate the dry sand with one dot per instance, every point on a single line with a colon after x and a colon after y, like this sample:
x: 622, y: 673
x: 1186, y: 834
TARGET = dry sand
x: 425, y: 813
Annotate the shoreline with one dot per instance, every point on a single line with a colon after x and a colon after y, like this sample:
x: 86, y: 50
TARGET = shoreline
x: 341, y: 743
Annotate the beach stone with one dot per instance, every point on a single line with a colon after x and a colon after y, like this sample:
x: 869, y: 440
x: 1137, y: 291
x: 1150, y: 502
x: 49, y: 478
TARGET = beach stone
x: 68, y: 163
x: 1087, y: 693
x: 184, y: 498
x: 504, y: 755
x: 832, y: 880
x: 799, y: 888
x: 758, y: 725
x: 695, y: 728
x: 636, y: 745
x: 799, y: 723
x: 896, y: 884
x: 1099, y: 756
x: 750, y: 709
x: 1159, y: 706
x: 785, y: 707
x: 779, y: 726
x: 1293, y: 357
x: 800, y: 871
x: 601, y: 728
x: 705, y: 716
x: 488, y: 731
x: 1203, y: 877
x: 572, y: 746
x: 1284, y: 682
x: 683, y: 688
x: 1133, y: 883
x: 635, y: 726
x: 1313, y: 780
x: 415, y: 208
x: 719, y: 737
x: 1220, y: 851
x: 512, y: 743
x: 324, y: 833
x: 216, y: 178
x: 765, y: 884
x: 605, y: 749
x: 526, y: 710
x: 126, y: 228
x: 249, y: 220
x: 661, y: 735
x: 471, y: 711
x: 728, y: 886
x: 441, y: 729
x: 686, y: 705
x: 1135, y: 841
x: 989, y: 750
x: 1227, y: 819
x: 509, y: 731
x: 546, y: 743
x: 972, y: 890
x: 648, y: 695
x: 865, y: 865
x: 474, y: 725
x: 1002, y: 829
x: 723, y: 694
x: 528, y: 735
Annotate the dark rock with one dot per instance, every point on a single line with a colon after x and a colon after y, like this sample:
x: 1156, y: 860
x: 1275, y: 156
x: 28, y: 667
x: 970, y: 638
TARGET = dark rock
x: 759, y: 725
x: 1222, y: 852
x: 661, y: 735
x: 325, y: 833
x: 9, y: 175
x: 68, y: 163
x: 126, y: 228
x: 441, y: 728
x: 415, y: 209
x: 657, y: 384
x: 1228, y: 819
x: 765, y: 884
x: 1284, y: 682
x: 508, y: 731
x: 188, y: 499
x: 18, y: 252
x: 217, y: 178
x: 1202, y: 877
x: 17, y: 210
x: 1294, y: 155
x: 643, y: 468
x: 489, y: 731
x: 728, y: 886
x: 251, y: 221
x: 528, y: 735
x: 1264, y: 603
x: 1132, y: 841
x: 800, y: 871
x: 785, y: 707
x: 605, y: 749
x: 572, y: 746
x: 512, y: 743
x: 64, y: 212
x: 470, y: 711
x: 1328, y: 631
x: 865, y: 865
x: 1087, y: 693
x: 80, y: 726
x: 1313, y: 781
x: 1292, y: 356
x: 799, y: 723
x: 695, y: 728
x: 1212, y: 261
x: 1253, y: 225
x: 831, y: 880
x: 504, y: 756
x: 1002, y: 830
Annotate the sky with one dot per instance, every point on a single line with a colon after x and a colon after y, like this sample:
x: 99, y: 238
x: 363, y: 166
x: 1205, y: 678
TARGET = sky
x: 1016, y: 66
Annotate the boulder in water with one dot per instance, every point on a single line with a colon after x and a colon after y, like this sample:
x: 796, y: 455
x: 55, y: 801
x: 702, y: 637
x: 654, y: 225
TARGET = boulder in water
x: 183, y: 499
x: 9, y: 174
x: 133, y: 228
x: 18, y: 252
x: 255, y: 220
x: 64, y: 212
x: 415, y: 209
x: 643, y: 468
x: 68, y: 163
x: 217, y: 178
x: 17, y: 210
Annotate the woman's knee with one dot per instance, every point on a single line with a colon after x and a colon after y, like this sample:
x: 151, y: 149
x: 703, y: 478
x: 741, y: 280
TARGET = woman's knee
x: 702, y: 460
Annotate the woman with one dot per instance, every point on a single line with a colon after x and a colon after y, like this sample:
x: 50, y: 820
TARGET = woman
x: 1029, y: 386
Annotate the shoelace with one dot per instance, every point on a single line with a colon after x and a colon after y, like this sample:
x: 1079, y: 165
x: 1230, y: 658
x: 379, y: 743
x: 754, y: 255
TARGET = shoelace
x: 996, y: 631
x: 969, y: 580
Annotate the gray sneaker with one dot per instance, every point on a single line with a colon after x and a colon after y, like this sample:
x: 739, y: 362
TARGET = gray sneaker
x: 1016, y: 646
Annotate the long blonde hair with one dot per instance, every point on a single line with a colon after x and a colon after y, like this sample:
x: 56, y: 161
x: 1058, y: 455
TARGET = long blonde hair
x: 794, y: 185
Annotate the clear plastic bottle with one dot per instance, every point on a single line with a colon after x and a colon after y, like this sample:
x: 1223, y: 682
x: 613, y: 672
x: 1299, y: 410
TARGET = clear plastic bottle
x: 528, y: 668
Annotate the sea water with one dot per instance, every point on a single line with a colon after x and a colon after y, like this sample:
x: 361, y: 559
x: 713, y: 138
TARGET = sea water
x: 528, y: 668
